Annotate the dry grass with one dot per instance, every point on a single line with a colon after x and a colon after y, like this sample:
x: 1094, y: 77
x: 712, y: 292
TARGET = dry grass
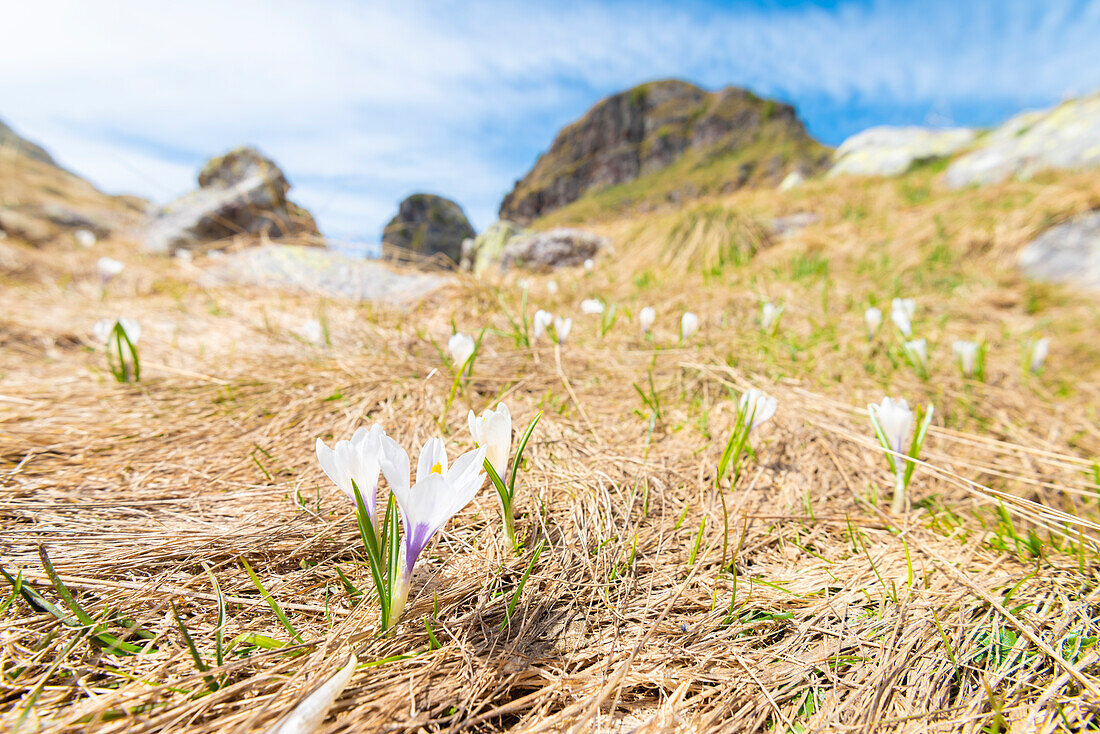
x: 806, y: 607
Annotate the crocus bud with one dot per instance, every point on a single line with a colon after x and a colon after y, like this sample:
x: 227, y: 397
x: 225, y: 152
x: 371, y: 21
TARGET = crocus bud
x: 493, y: 430
x: 689, y: 324
x: 461, y: 346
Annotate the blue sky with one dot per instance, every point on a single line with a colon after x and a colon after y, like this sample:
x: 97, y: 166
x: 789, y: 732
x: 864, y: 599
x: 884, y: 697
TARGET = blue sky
x: 364, y: 103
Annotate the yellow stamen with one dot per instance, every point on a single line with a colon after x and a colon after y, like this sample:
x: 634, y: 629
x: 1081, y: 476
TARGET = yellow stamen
x: 437, y: 469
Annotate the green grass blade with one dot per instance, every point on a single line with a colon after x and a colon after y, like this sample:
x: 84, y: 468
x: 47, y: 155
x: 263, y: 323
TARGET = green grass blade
x: 16, y: 585
x: 393, y: 553
x: 520, y: 447
x: 195, y: 654
x: 522, y: 583
x: 698, y: 540
x: 267, y: 597
x: 219, y: 631
x: 885, y: 442
x: 62, y: 590
x: 371, y: 546
x: 925, y: 422
x: 348, y: 586
x: 433, y: 643
x: 498, y: 484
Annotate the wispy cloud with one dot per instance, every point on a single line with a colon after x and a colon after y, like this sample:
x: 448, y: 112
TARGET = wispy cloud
x: 362, y: 104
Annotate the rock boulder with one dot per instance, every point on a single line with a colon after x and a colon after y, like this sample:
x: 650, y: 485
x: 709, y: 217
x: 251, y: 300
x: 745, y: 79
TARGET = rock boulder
x: 323, y: 272
x: 891, y: 151
x: 427, y: 225
x: 240, y: 193
x: 1067, y: 136
x: 552, y: 249
x: 1066, y: 253
x: 645, y: 130
x: 479, y: 253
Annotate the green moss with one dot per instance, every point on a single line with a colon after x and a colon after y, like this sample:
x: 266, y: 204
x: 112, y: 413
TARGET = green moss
x: 697, y: 171
x: 757, y: 142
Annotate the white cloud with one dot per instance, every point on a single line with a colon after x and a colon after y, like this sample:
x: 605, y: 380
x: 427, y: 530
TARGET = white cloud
x: 362, y: 103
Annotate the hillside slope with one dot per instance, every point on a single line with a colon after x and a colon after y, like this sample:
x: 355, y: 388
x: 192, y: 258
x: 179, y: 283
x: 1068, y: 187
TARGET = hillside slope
x: 39, y: 200
x: 731, y: 137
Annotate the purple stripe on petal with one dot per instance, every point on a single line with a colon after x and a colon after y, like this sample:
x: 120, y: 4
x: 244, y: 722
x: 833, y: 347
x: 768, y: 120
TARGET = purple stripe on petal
x: 415, y: 542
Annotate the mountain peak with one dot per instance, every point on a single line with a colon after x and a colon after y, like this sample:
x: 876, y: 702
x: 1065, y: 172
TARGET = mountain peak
x: 644, y: 130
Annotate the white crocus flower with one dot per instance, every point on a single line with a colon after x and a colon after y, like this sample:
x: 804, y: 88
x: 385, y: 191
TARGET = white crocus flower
x: 589, y: 265
x: 1040, y: 348
x: 439, y: 493
x: 460, y: 346
x: 104, y: 327
x: 873, y: 318
x: 757, y: 405
x: 591, y: 307
x: 541, y: 321
x: 895, y: 419
x: 646, y: 318
x: 966, y: 352
x: 902, y: 311
x: 917, y: 350
x: 562, y: 327
x: 552, y: 287
x: 357, y: 460
x: 769, y: 314
x: 85, y: 237
x: 689, y: 324
x: 493, y: 430
x: 108, y: 267
x: 312, y: 332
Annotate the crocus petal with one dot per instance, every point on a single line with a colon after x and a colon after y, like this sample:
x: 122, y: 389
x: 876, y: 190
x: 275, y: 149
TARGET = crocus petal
x: 460, y: 346
x: 689, y: 324
x: 646, y: 318
x: 591, y: 307
x: 1039, y: 351
x: 395, y: 465
x: 895, y: 418
x: 493, y: 430
x: 435, y: 498
x: 540, y: 323
x: 873, y: 318
x: 562, y: 327
x: 102, y: 329
x: 326, y: 457
x: 132, y: 329
x: 759, y: 405
x: 467, y: 466
x: 433, y: 452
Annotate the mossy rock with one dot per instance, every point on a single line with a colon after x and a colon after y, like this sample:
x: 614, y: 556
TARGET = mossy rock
x: 642, y: 132
x: 428, y: 225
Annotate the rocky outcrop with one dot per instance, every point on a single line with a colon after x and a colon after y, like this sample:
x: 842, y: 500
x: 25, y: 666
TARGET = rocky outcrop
x: 891, y: 151
x: 42, y: 203
x: 323, y: 272
x: 552, y: 249
x: 479, y: 253
x: 646, y: 129
x: 11, y: 141
x: 240, y: 193
x: 1067, y: 136
x: 783, y: 226
x: 427, y: 225
x: 1066, y: 253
